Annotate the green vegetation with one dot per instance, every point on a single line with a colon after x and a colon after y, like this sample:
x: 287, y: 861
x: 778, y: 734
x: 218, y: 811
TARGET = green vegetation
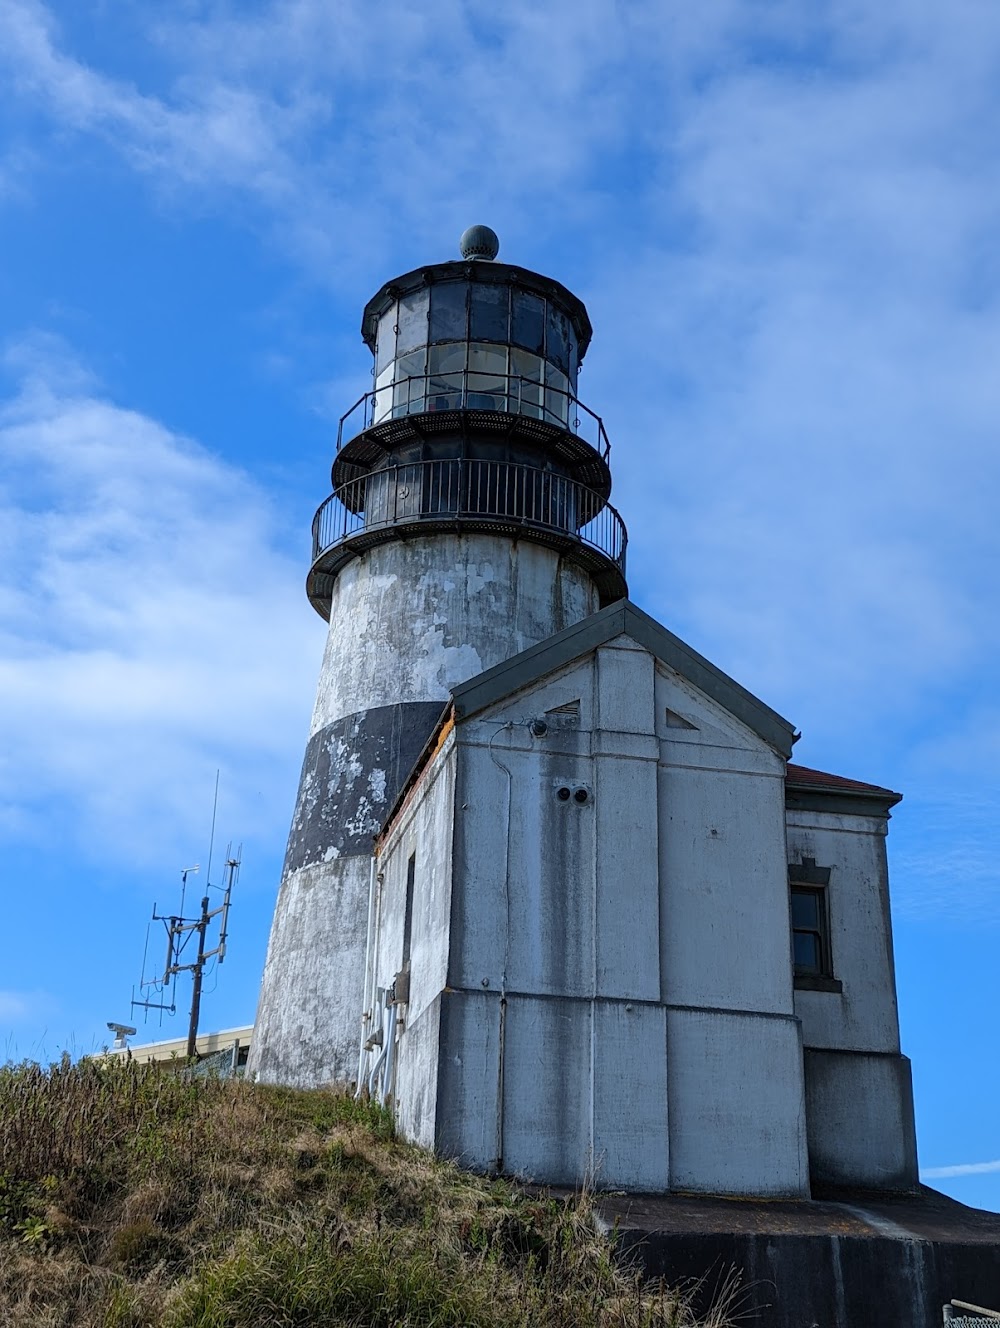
x: 135, y: 1198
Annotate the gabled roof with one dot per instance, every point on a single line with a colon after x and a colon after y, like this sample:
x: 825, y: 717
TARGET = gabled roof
x: 485, y: 689
x: 816, y: 790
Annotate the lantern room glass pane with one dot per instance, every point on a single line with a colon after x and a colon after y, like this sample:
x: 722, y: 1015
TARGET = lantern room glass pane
x: 556, y: 395
x: 528, y: 323
x: 488, y: 312
x: 445, y: 376
x: 526, y: 383
x: 487, y: 377
x: 411, y: 383
x: 383, y: 394
x: 386, y: 343
x: 412, y: 322
x: 558, y: 337
x: 448, y: 311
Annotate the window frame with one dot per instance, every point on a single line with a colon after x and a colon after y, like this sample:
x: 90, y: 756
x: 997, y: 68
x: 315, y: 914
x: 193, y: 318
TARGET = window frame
x: 806, y: 879
x: 821, y: 931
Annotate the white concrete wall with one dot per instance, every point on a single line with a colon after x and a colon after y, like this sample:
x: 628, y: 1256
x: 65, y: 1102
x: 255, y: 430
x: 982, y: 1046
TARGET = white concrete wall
x: 736, y: 1092
x: 865, y: 1016
x: 737, y: 1104
x: 858, y: 1088
x: 725, y: 927
x: 511, y: 871
x: 309, y: 1014
x: 621, y: 912
x: 860, y: 1114
x: 425, y: 829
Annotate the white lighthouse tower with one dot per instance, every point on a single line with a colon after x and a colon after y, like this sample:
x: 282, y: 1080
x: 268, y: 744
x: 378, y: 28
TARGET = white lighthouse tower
x: 469, y: 520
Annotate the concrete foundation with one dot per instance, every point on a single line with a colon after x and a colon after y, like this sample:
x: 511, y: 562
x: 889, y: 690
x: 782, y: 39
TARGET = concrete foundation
x: 857, y: 1260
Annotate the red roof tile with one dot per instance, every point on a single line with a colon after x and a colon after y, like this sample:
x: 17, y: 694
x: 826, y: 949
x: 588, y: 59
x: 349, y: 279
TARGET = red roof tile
x: 800, y: 776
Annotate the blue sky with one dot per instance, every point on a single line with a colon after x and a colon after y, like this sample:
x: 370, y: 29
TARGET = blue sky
x: 783, y: 220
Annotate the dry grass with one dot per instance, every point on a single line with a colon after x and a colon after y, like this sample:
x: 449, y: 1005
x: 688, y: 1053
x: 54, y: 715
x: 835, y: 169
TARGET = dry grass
x: 130, y: 1198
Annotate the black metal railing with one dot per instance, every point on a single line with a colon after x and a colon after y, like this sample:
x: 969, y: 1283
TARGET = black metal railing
x: 471, y: 389
x: 472, y: 490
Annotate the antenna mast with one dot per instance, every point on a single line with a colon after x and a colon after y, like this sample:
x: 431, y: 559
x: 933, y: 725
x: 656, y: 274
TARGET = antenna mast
x: 180, y: 931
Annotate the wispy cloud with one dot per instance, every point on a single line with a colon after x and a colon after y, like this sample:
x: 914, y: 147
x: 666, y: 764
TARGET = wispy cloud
x: 151, y: 627
x: 22, y: 1006
x: 959, y: 1169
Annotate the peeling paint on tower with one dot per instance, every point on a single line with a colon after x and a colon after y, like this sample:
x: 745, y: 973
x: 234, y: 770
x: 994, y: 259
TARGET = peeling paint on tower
x: 467, y: 523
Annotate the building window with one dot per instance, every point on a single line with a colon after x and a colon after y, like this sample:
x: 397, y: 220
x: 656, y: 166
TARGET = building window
x: 810, y: 938
x: 812, y: 957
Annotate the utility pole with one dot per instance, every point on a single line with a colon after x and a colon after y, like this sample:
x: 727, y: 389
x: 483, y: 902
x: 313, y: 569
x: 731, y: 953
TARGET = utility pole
x: 198, y: 968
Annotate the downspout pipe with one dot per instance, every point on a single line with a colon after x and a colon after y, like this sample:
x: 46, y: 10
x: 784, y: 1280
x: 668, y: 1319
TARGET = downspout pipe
x: 367, y: 1001
x: 502, y: 1033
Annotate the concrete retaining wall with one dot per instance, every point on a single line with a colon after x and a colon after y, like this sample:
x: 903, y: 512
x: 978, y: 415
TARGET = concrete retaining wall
x: 794, y: 1281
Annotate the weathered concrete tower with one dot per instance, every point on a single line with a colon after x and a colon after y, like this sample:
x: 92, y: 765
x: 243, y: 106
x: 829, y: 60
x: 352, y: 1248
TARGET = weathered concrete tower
x: 469, y: 520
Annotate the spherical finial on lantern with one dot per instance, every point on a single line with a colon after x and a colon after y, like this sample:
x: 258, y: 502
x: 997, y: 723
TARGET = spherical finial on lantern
x: 479, y: 242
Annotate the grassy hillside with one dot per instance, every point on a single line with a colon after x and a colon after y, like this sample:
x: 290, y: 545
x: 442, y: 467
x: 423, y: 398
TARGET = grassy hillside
x: 132, y: 1198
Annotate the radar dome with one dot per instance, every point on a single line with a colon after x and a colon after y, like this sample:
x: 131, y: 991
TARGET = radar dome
x: 479, y: 242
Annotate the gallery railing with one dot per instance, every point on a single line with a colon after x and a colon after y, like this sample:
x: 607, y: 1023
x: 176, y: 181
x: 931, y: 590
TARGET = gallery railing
x: 474, y: 491
x: 469, y: 389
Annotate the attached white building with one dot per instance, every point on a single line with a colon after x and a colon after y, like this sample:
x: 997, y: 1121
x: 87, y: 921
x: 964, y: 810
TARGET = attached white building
x: 615, y: 935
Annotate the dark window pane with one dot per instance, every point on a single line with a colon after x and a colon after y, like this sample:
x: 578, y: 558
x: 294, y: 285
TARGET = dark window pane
x: 412, y: 321
x: 529, y: 322
x: 448, y: 316
x: 805, y: 909
x: 558, y: 339
x: 488, y: 313
x: 806, y: 949
x: 386, y: 352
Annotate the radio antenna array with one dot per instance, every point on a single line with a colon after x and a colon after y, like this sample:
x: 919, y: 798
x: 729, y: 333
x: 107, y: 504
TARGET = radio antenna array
x: 181, y: 931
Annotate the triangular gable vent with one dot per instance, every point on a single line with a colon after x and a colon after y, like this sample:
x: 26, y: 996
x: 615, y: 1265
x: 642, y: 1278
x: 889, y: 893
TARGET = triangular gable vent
x: 676, y: 721
x: 566, y: 714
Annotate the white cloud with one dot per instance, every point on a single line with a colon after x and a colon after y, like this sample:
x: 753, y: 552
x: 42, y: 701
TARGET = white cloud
x: 960, y: 1169
x: 151, y: 628
x: 813, y: 468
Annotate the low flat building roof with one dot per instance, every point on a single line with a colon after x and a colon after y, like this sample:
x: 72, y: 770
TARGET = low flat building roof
x: 176, y: 1048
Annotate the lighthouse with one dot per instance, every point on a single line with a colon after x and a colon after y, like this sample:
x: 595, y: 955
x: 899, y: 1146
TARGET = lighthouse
x: 469, y: 521
x: 554, y: 890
